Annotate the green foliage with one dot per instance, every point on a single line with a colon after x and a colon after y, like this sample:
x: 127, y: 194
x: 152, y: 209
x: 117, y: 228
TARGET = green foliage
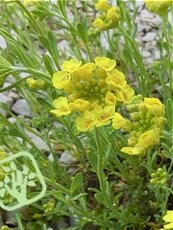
x: 100, y: 187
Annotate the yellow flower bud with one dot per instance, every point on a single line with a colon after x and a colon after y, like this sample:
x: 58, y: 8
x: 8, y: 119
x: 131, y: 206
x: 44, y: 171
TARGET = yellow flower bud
x: 158, y: 6
x: 102, y: 5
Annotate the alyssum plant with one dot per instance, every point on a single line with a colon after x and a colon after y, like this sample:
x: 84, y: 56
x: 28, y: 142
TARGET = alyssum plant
x: 84, y: 105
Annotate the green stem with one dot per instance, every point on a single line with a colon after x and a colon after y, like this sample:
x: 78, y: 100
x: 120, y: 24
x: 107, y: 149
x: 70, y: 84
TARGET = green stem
x: 100, y: 159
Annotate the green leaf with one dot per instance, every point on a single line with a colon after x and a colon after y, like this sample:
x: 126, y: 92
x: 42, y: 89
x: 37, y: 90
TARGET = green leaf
x: 16, y: 133
x: 77, y: 182
x: 82, y: 29
x: 169, y: 112
x: 79, y: 196
x: 48, y: 64
x: 4, y: 64
x: 100, y: 198
x: 92, y: 157
x: 53, y: 44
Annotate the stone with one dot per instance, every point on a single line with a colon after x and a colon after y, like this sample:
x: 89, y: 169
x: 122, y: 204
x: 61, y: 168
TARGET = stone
x: 3, y: 43
x: 146, y: 54
x: 6, y: 100
x: 38, y: 141
x: 21, y: 107
x: 150, y: 36
x: 66, y: 158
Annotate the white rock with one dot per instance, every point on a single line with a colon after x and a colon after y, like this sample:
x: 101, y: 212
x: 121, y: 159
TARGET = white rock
x: 150, y: 36
x: 12, y: 120
x: 146, y: 54
x: 13, y: 95
x: 21, y: 107
x: 37, y: 141
x: 3, y: 43
x: 6, y: 100
x: 66, y: 158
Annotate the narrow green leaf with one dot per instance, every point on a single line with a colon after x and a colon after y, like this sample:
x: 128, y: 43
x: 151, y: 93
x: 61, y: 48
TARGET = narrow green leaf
x: 77, y: 182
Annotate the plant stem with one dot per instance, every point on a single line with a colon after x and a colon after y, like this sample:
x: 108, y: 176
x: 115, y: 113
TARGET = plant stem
x: 100, y: 160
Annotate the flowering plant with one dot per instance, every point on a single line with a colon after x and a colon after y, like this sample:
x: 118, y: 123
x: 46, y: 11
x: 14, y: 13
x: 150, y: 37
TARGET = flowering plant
x: 92, y: 114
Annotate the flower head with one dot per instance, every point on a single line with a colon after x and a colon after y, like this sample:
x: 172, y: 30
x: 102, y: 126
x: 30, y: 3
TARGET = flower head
x: 158, y: 6
x: 102, y: 5
x: 92, y: 88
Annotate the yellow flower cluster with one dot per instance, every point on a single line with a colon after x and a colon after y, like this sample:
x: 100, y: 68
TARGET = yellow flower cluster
x: 158, y: 6
x: 109, y: 16
x: 92, y: 90
x: 145, y: 124
x: 168, y: 218
x: 36, y: 84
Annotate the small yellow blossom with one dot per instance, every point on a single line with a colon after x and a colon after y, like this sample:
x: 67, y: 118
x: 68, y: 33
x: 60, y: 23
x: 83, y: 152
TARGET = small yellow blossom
x: 133, y: 150
x: 86, y: 122
x: 148, y: 139
x: 61, y: 107
x: 105, y: 63
x: 86, y: 71
x: 110, y: 98
x: 154, y: 105
x: 71, y: 65
x: 103, y: 115
x: 168, y: 218
x: 79, y: 105
x: 116, y: 79
x: 158, y: 6
x: 61, y: 79
x: 113, y: 14
x: 99, y: 23
x: 102, y: 5
x: 127, y: 93
x: 120, y: 122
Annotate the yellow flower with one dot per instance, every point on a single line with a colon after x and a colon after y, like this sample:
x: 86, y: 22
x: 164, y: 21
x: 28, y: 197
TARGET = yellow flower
x: 103, y: 115
x: 110, y: 98
x: 61, y: 107
x: 132, y: 150
x: 168, y: 218
x: 120, y: 122
x: 79, y: 105
x: 158, y: 6
x: 86, y: 122
x: 113, y: 14
x: 60, y: 79
x: 154, y: 105
x: 102, y: 5
x: 105, y: 63
x: 128, y: 93
x: 149, y: 138
x: 99, y: 23
x: 116, y: 79
x: 86, y: 71
x: 71, y: 65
